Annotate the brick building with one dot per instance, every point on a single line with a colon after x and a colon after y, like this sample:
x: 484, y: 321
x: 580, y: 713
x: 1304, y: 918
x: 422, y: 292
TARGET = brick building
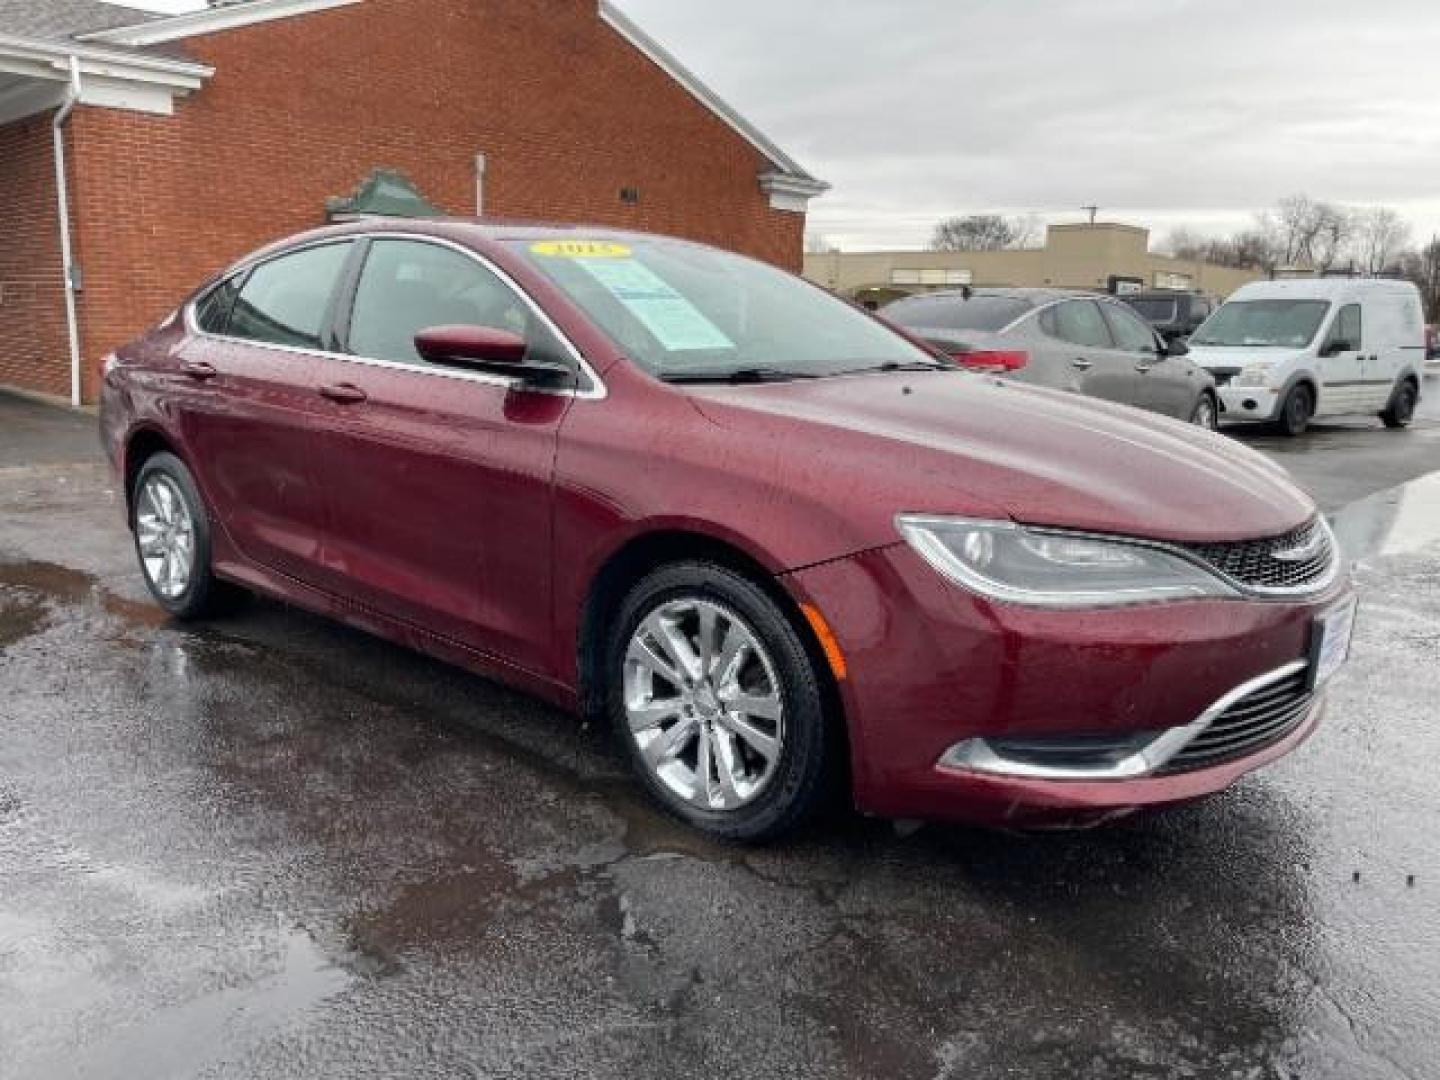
x: 188, y: 140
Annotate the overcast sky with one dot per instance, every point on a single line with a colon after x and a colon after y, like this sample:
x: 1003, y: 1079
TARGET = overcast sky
x: 1163, y: 112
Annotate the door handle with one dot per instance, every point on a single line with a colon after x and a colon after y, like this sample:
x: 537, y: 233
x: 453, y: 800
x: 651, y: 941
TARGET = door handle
x: 1081, y: 363
x: 199, y: 370
x: 344, y: 393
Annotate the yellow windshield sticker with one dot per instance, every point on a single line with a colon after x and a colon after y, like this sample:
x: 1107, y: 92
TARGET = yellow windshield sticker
x: 580, y: 249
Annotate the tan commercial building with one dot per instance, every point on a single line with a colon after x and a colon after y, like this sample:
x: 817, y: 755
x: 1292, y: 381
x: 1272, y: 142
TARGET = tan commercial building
x: 1103, y: 257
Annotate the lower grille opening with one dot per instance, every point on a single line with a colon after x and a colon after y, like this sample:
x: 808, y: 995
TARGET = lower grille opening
x: 1255, y: 721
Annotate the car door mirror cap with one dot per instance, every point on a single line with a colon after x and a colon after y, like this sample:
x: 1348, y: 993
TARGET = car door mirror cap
x: 487, y: 349
x: 1177, y: 346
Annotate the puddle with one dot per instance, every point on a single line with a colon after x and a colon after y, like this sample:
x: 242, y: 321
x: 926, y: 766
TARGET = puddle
x: 1402, y: 521
x: 29, y: 590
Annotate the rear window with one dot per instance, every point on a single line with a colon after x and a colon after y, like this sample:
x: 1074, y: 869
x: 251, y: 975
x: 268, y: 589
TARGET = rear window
x: 957, y: 313
x: 1157, y: 310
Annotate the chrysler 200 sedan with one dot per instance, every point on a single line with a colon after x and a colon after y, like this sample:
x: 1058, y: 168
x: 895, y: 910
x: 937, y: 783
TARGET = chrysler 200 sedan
x: 784, y: 549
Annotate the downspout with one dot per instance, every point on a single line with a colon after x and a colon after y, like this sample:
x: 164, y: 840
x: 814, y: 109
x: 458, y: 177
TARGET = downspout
x: 62, y: 193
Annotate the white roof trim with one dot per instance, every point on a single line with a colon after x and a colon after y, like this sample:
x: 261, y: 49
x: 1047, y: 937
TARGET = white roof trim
x: 212, y: 21
x: 50, y: 59
x: 665, y: 60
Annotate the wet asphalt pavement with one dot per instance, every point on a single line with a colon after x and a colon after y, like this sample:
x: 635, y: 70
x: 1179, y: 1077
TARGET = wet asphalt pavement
x: 273, y: 847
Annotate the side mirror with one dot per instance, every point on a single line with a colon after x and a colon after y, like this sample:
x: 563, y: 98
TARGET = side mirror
x: 484, y: 348
x: 1335, y: 348
x: 1177, y: 346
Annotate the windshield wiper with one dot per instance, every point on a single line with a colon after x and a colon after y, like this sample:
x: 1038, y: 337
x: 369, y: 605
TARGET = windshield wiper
x: 895, y: 365
x: 738, y: 376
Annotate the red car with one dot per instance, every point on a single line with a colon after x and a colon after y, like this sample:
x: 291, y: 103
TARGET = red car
x: 782, y: 547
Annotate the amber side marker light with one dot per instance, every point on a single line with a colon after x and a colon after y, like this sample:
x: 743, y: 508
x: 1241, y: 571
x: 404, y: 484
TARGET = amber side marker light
x: 828, y: 644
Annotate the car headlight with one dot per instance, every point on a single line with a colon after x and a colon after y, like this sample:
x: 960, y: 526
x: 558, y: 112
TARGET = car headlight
x: 1054, y: 569
x: 1254, y: 375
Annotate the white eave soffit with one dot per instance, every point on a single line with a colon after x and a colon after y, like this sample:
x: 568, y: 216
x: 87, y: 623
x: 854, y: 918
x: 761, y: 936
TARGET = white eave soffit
x: 109, y: 78
x: 212, y: 21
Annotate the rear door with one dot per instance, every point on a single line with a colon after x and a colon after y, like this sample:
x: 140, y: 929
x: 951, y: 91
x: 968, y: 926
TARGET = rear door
x: 1341, y: 364
x: 1166, y: 384
x: 438, y: 479
x: 1086, y: 355
x: 248, y: 407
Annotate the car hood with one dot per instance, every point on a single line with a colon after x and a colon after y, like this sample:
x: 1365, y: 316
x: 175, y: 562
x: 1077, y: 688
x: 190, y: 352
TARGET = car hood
x: 1240, y: 356
x: 955, y: 443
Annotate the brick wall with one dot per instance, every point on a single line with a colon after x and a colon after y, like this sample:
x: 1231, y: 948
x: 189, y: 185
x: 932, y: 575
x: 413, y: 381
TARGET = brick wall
x: 566, y: 111
x: 34, y: 347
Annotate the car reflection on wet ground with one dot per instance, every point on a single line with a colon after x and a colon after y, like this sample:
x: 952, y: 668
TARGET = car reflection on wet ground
x: 271, y: 846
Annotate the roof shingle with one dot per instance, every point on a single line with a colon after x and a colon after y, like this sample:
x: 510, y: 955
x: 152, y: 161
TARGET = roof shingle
x: 55, y: 20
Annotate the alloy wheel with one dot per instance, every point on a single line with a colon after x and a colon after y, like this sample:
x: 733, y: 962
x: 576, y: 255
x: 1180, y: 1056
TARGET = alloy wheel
x: 165, y: 531
x: 1205, y: 414
x: 703, y: 704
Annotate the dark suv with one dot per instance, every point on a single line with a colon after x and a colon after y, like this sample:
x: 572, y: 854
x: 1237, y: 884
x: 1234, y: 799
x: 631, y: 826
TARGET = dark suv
x: 1173, y: 314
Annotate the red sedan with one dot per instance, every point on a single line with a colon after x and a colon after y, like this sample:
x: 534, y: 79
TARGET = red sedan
x: 780, y: 546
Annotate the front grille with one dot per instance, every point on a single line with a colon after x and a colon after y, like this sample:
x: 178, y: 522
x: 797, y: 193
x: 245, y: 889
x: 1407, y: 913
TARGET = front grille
x: 1260, y: 564
x: 1255, y: 721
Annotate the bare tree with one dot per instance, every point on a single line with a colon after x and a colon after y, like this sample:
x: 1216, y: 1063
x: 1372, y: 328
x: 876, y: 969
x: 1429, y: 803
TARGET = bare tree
x: 1028, y: 231
x: 978, y: 232
x: 1423, y: 268
x: 1380, y: 234
x: 1305, y: 232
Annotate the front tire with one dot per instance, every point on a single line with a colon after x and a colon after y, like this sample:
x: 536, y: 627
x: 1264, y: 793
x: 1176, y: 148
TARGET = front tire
x: 1206, y: 413
x: 1296, y: 411
x: 172, y: 539
x: 1401, y: 409
x: 718, y: 703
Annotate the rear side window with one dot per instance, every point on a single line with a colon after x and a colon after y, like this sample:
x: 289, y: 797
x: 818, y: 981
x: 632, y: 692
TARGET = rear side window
x: 957, y: 313
x: 213, y: 312
x: 285, y: 301
x: 1078, y: 322
x: 408, y: 286
x: 1156, y: 309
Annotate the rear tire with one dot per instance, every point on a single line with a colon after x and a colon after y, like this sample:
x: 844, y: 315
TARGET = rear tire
x: 1401, y: 409
x: 171, y: 527
x: 717, y: 703
x: 1296, y: 411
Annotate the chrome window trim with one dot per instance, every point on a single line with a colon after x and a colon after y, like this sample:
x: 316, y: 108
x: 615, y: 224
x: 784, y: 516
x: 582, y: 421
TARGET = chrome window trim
x: 977, y: 755
x: 595, y: 391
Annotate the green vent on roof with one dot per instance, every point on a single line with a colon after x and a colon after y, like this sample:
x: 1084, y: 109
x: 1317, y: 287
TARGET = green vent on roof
x: 384, y: 192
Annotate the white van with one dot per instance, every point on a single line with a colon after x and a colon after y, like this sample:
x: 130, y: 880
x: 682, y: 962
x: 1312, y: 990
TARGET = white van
x: 1288, y: 351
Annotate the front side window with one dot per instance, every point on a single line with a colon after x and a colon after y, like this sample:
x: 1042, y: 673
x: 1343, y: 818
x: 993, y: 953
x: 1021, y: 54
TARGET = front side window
x: 1131, y: 334
x: 1263, y: 323
x: 409, y: 285
x: 686, y: 312
x: 1348, y: 328
x: 1078, y: 322
x: 285, y: 301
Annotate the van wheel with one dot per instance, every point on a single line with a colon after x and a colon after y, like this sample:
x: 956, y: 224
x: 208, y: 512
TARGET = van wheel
x: 1401, y: 409
x: 1297, y: 410
x: 717, y: 703
x: 172, y: 540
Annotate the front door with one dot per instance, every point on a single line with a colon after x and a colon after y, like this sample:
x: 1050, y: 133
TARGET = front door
x: 439, y: 479
x: 1167, y: 384
x: 1342, y: 367
x: 247, y: 405
x: 1086, y: 354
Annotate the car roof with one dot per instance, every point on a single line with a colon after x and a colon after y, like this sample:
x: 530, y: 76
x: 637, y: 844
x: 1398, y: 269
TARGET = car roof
x: 1317, y: 288
x: 1036, y: 296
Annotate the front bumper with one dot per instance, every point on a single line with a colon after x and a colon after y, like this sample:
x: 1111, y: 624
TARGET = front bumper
x: 1249, y: 402
x: 932, y: 666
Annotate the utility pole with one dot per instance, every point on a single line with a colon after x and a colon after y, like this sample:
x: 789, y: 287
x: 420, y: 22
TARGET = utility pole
x: 1093, y: 210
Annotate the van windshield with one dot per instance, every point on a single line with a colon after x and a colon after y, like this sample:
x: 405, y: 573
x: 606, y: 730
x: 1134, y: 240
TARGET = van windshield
x: 1290, y: 324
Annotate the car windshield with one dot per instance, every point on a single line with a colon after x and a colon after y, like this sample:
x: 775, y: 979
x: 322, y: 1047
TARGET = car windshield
x: 954, y: 312
x: 1156, y: 309
x: 687, y: 312
x: 1279, y: 323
